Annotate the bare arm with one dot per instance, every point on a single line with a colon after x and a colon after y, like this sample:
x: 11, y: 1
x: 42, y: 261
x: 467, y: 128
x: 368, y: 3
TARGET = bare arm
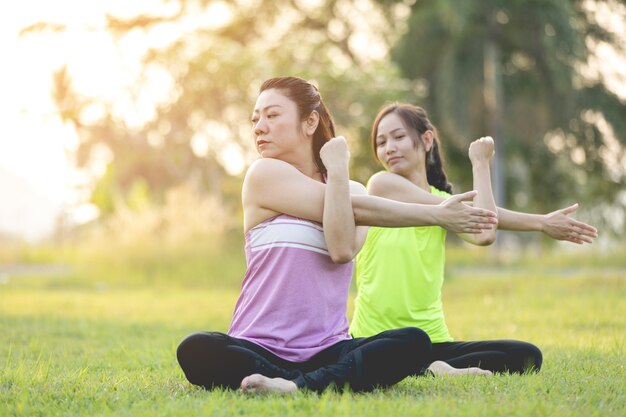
x: 480, y: 153
x: 343, y: 237
x: 558, y: 225
x: 450, y: 214
x: 273, y: 187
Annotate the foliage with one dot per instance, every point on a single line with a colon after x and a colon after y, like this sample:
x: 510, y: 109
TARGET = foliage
x: 208, y: 76
x: 561, y: 128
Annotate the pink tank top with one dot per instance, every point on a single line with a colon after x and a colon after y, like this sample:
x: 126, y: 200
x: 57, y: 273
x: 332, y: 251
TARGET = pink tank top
x: 293, y: 298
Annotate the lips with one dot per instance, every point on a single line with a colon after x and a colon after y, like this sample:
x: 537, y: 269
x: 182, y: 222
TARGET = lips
x: 393, y: 160
x: 261, y: 142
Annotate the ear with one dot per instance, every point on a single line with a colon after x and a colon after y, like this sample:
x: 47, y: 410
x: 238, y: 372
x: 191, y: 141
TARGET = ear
x: 311, y: 122
x: 428, y: 138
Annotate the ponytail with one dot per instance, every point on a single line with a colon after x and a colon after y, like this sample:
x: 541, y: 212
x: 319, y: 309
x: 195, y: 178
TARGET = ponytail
x: 435, y: 173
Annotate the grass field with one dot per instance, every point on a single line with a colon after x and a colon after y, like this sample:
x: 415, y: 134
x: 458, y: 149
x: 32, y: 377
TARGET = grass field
x: 74, y: 345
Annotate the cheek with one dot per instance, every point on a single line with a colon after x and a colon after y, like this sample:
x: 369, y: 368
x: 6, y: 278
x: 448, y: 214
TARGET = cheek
x: 380, y: 154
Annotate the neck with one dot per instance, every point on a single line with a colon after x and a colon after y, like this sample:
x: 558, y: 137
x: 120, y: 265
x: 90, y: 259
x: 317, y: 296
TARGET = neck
x: 306, y: 165
x: 419, y: 178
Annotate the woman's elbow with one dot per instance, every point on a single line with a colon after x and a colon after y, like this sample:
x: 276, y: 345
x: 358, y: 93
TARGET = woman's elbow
x: 342, y: 256
x: 485, y: 238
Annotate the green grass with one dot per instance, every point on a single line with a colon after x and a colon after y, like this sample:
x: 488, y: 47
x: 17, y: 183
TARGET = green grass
x: 75, y: 345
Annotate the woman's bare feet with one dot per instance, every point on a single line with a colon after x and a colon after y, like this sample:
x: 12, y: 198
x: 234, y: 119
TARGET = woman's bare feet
x: 259, y: 384
x: 439, y: 368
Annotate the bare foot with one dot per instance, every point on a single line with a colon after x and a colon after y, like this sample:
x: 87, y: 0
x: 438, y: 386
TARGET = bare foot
x: 439, y: 368
x: 259, y: 384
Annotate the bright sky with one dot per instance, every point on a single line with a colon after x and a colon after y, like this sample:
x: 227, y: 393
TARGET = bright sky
x: 34, y: 144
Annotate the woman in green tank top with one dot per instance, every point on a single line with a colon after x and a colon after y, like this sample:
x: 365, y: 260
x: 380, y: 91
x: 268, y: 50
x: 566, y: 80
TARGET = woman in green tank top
x: 400, y: 272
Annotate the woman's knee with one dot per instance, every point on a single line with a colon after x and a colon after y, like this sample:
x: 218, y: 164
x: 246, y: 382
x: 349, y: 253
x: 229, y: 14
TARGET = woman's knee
x: 197, y: 350
x: 419, y: 338
x: 524, y: 357
x: 533, y: 358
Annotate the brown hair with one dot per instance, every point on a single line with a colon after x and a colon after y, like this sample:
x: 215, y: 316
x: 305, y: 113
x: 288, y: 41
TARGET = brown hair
x: 415, y: 118
x: 308, y: 99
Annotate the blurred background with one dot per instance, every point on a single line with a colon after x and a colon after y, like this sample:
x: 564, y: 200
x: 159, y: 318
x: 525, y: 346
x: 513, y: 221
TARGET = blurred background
x: 125, y: 125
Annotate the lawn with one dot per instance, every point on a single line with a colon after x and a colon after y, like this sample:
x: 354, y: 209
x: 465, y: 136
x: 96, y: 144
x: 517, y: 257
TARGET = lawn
x: 73, y: 347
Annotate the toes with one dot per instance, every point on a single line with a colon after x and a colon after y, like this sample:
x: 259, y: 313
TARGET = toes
x: 247, y: 384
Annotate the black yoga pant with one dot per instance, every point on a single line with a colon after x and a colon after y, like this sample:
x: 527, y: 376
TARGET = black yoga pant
x: 510, y: 356
x: 212, y: 359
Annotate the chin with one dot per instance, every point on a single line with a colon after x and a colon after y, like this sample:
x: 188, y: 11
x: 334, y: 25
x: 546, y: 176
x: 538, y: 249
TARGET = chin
x: 396, y: 170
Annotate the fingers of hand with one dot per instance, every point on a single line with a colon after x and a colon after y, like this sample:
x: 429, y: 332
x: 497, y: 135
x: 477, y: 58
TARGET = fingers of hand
x: 579, y: 238
x: 482, y: 147
x: 465, y: 196
x: 585, y: 228
x: 475, y: 228
x: 570, y: 209
x: 483, y: 216
x: 582, y: 229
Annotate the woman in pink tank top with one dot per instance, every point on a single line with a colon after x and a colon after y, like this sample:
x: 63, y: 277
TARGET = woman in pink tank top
x: 304, y: 222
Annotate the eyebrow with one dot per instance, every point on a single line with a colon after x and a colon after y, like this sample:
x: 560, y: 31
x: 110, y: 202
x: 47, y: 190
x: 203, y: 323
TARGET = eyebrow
x: 266, y: 108
x: 394, y: 130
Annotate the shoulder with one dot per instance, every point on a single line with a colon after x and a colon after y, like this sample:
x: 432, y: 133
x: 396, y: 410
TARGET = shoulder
x: 266, y: 166
x: 264, y: 170
x: 386, y: 178
x: 386, y: 184
x: 357, y: 188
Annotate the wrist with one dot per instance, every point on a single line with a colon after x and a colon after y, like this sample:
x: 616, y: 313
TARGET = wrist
x: 436, y: 217
x: 542, y: 221
x: 480, y: 163
x: 339, y: 173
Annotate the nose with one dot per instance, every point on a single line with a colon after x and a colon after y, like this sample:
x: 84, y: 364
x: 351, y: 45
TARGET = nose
x: 260, y: 127
x: 389, y: 147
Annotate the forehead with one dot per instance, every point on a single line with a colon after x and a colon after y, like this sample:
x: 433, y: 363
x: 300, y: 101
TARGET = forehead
x: 389, y: 123
x: 272, y: 97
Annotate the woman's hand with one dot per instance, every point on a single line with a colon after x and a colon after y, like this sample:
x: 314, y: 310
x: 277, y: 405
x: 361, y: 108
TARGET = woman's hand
x: 558, y: 225
x: 335, y: 155
x: 481, y: 150
x: 462, y: 218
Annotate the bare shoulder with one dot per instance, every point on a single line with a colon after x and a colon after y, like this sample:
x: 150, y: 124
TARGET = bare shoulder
x: 259, y: 176
x: 383, y: 182
x: 263, y: 171
x: 357, y: 188
x: 263, y: 167
x: 386, y: 178
x: 396, y: 187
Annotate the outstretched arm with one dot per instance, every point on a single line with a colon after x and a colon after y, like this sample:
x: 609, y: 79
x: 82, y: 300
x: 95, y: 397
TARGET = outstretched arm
x: 273, y: 187
x: 451, y: 214
x: 558, y: 224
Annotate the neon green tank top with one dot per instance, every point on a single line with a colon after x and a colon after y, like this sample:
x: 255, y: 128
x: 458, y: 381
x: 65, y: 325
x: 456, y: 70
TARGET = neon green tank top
x: 399, y: 275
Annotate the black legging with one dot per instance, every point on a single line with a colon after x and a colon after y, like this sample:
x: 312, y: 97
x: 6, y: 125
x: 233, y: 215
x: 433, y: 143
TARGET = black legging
x: 510, y: 356
x: 212, y: 359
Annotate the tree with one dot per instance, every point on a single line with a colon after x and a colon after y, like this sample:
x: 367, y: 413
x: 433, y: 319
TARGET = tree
x: 211, y: 71
x: 524, y: 65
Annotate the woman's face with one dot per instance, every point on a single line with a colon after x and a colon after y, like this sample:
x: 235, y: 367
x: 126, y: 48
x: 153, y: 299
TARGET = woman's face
x: 277, y: 127
x: 395, y: 148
